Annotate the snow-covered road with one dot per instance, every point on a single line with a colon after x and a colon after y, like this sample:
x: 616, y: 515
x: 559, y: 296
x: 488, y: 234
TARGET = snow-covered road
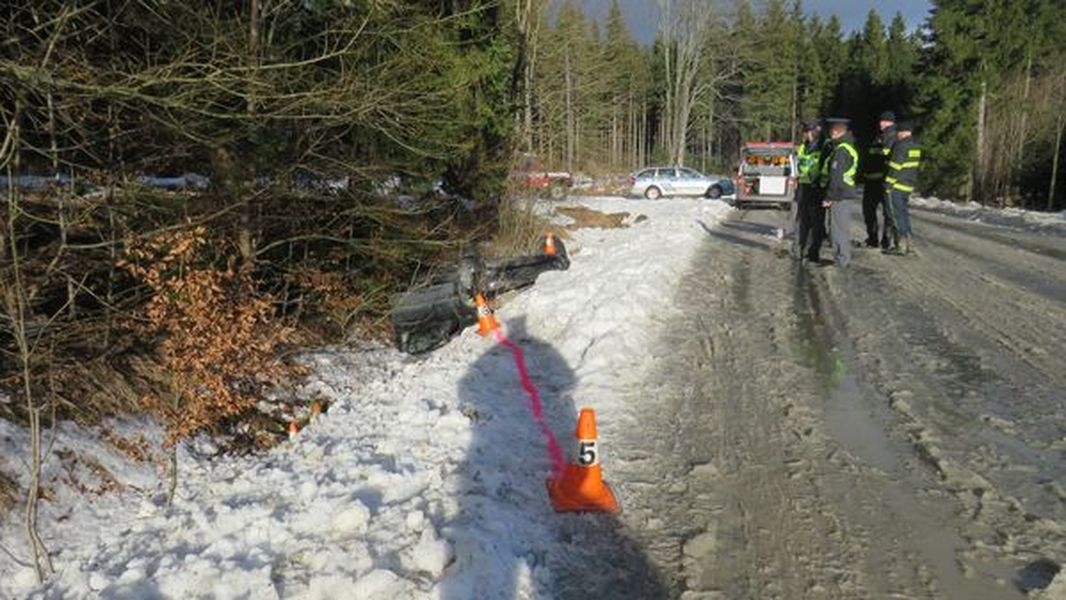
x: 771, y: 431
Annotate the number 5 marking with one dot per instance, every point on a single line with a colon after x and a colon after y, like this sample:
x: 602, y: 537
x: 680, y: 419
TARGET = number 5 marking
x: 587, y: 456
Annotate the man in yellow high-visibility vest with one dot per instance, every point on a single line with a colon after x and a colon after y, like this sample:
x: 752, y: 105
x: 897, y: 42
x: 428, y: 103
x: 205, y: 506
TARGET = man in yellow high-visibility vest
x: 840, y: 189
x: 808, y: 159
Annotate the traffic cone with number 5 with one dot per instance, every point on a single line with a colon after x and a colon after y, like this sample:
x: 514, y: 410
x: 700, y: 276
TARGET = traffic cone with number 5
x: 581, y: 487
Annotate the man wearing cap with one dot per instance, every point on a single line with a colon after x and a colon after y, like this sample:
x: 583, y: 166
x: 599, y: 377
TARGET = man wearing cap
x: 902, y: 178
x: 807, y: 163
x: 840, y: 191
x: 874, y: 193
x: 815, y: 213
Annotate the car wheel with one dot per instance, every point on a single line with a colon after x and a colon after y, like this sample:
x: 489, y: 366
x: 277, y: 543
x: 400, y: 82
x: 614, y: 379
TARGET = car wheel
x: 556, y: 192
x: 653, y: 193
x: 714, y: 192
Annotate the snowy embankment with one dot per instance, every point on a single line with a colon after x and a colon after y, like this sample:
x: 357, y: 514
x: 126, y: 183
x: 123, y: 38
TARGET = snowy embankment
x: 425, y: 479
x: 1019, y: 218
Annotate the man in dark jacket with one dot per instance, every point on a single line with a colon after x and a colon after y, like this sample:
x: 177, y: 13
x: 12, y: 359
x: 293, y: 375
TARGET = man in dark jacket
x: 808, y: 161
x: 902, y: 178
x: 840, y: 189
x: 874, y: 193
x: 815, y: 212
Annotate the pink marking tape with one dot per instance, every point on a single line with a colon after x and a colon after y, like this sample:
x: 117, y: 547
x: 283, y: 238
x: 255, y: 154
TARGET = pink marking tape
x: 554, y: 449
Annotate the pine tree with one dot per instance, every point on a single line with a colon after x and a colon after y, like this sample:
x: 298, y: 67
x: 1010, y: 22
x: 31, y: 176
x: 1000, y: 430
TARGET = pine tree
x: 771, y: 77
x: 814, y: 80
x: 832, y: 54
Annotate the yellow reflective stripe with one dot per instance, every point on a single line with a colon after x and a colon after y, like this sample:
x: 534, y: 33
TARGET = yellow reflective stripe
x: 901, y: 187
x: 895, y: 166
x: 849, y: 175
x: 916, y: 153
x: 890, y: 179
x: 910, y: 165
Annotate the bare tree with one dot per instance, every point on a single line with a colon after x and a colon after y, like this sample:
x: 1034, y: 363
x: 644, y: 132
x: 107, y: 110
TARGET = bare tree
x: 14, y: 304
x: 684, y: 27
x: 530, y: 16
x: 1058, y: 108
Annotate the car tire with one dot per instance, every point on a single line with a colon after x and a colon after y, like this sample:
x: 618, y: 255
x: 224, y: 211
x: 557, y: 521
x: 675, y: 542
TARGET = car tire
x: 714, y: 192
x: 556, y: 192
x: 653, y: 193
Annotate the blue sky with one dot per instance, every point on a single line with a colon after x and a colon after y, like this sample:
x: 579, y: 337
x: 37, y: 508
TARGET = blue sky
x: 640, y: 14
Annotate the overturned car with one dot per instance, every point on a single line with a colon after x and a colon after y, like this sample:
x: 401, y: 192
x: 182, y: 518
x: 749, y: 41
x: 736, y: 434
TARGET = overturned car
x: 426, y: 317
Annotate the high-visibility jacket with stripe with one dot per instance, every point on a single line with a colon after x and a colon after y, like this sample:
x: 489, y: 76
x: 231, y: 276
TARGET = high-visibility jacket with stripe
x: 808, y: 158
x: 875, y: 161
x: 824, y: 158
x: 842, y: 168
x: 904, y: 165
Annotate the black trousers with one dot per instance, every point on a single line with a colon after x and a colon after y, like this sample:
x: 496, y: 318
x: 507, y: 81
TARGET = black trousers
x: 811, y: 222
x: 873, y: 197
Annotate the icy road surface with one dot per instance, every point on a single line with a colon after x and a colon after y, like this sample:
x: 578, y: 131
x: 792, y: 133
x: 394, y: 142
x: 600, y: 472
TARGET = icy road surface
x: 894, y: 431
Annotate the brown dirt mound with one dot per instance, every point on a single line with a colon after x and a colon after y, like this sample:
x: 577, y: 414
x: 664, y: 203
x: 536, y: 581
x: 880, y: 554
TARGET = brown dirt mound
x: 588, y: 218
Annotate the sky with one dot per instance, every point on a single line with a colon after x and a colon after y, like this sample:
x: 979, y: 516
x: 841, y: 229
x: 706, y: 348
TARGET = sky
x: 641, y: 14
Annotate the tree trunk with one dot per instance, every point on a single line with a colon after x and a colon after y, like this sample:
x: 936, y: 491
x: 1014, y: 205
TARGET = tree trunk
x: 981, y: 166
x: 795, y: 99
x: 710, y: 128
x: 569, y: 112
x: 245, y: 240
x: 1055, y: 164
x: 642, y: 143
x: 14, y: 304
x: 1023, y: 126
x: 61, y: 212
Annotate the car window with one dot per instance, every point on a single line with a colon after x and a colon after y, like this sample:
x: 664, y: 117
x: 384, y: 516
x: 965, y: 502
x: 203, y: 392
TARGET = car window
x: 667, y: 173
x: 690, y: 174
x: 646, y: 173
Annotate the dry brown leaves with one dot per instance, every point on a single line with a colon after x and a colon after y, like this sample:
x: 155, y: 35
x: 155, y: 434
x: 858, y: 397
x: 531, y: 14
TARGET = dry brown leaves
x: 219, y: 336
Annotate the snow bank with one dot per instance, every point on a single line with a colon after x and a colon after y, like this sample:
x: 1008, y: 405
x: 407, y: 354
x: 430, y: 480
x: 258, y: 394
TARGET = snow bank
x: 1008, y: 217
x: 426, y: 477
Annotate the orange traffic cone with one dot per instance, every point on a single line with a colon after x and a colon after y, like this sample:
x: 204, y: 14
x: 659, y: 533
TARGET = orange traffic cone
x: 549, y: 244
x: 486, y: 323
x: 294, y: 428
x: 582, y: 488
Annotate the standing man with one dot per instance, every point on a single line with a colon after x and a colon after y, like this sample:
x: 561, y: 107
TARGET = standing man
x: 815, y: 211
x: 840, y: 189
x: 902, y: 178
x: 874, y: 193
x: 808, y: 161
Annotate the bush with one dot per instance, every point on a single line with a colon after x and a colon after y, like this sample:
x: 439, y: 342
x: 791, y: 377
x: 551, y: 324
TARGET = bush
x: 219, y: 338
